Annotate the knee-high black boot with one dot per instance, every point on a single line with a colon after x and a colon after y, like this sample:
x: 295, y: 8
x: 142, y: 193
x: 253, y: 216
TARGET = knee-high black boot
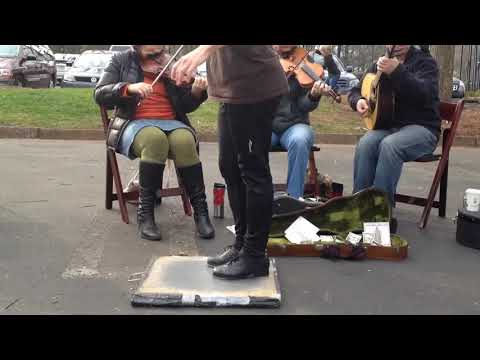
x: 192, y: 179
x: 150, y: 180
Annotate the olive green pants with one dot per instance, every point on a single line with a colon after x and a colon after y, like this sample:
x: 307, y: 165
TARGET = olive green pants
x: 154, y: 146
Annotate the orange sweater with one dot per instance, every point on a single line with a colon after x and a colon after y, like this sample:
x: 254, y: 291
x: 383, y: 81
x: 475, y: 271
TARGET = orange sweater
x: 157, y: 105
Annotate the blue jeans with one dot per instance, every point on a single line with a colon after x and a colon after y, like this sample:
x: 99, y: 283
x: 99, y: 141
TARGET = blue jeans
x: 332, y: 81
x: 298, y: 141
x: 380, y: 155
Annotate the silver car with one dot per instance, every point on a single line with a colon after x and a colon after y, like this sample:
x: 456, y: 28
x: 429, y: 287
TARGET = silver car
x: 87, y: 69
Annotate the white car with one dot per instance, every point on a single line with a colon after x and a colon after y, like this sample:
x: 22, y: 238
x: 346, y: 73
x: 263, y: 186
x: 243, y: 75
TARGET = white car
x: 120, y: 48
x: 202, y: 70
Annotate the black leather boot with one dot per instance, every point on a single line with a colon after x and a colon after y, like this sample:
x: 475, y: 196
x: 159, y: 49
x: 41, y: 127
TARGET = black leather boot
x: 192, y: 179
x: 228, y: 255
x: 393, y: 225
x: 244, y: 267
x: 150, y: 179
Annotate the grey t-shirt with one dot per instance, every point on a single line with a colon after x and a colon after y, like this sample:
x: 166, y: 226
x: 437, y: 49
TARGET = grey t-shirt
x: 245, y: 74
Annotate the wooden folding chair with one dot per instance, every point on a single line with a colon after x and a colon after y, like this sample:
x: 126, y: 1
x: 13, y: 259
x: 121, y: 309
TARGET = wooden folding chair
x: 113, y: 176
x: 312, y: 186
x: 450, y: 112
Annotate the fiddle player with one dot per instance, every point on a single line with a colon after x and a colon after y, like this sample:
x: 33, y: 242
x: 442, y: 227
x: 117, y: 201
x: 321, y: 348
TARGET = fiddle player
x: 291, y: 125
x: 158, y: 129
x: 333, y: 72
x: 415, y: 131
x: 248, y: 81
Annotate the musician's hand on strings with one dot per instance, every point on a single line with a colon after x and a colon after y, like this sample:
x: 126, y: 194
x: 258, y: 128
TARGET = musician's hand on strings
x: 387, y: 65
x: 319, y: 88
x: 142, y: 89
x: 362, y: 106
x: 200, y: 83
x: 199, y: 86
x: 185, y: 69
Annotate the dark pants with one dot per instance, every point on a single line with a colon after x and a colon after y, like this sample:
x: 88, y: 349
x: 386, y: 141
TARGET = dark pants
x: 245, y: 133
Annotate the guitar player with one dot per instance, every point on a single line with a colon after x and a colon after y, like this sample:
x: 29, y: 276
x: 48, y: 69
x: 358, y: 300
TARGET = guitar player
x: 415, y: 129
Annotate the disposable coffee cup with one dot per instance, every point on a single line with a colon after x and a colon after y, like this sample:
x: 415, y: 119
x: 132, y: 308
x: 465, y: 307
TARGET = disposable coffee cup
x: 472, y: 200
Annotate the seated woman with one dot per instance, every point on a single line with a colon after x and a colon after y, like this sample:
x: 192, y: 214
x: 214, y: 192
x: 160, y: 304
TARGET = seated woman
x: 291, y: 126
x: 158, y: 129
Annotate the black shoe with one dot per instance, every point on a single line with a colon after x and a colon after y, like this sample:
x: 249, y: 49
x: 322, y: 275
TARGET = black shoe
x: 229, y: 254
x: 243, y: 267
x: 150, y: 177
x: 192, y: 179
x: 393, y: 225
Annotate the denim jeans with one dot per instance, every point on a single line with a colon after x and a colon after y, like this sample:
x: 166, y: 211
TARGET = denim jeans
x: 332, y: 81
x: 380, y: 155
x: 298, y: 141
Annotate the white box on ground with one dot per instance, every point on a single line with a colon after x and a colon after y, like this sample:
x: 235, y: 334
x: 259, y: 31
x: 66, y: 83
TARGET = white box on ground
x: 380, y: 232
x: 302, y: 231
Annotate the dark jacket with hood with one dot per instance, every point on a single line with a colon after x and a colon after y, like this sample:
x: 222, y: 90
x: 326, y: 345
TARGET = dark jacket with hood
x: 415, y: 84
x: 294, y: 107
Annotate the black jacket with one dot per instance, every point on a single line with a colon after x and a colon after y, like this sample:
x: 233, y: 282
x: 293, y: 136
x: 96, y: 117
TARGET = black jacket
x: 294, y: 107
x: 415, y: 83
x: 331, y: 66
x: 124, y: 68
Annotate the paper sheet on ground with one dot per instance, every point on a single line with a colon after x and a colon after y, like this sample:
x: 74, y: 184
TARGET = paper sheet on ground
x: 302, y: 231
x: 231, y: 229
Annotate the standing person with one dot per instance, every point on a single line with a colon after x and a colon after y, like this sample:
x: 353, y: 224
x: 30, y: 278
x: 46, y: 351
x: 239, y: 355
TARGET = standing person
x: 333, y: 72
x: 158, y: 128
x: 248, y: 81
x: 291, y: 125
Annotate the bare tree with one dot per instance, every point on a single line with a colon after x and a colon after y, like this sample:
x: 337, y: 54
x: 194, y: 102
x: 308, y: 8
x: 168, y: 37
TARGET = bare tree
x: 445, y: 55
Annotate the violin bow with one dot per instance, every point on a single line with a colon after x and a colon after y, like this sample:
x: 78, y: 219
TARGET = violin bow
x: 172, y: 59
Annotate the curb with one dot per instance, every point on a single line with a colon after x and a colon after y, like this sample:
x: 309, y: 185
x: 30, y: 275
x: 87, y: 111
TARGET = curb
x: 11, y: 132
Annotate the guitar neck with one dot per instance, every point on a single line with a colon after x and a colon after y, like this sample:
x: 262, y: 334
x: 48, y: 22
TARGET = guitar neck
x: 388, y: 54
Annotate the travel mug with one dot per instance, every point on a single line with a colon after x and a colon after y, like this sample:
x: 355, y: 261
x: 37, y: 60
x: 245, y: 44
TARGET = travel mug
x: 218, y: 200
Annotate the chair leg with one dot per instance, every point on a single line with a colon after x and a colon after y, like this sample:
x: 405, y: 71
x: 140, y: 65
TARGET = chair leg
x: 442, y: 210
x: 313, y: 174
x: 433, y: 191
x: 187, y: 207
x: 109, y: 184
x: 118, y: 187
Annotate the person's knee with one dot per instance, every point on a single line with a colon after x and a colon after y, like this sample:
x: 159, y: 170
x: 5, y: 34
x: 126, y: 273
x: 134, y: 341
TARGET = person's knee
x: 301, y: 140
x: 151, y: 145
x: 183, y: 148
x: 389, y: 148
x: 367, y: 144
x: 255, y: 172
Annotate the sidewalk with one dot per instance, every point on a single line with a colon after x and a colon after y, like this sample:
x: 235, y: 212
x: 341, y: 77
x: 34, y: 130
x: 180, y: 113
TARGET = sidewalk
x: 61, y: 252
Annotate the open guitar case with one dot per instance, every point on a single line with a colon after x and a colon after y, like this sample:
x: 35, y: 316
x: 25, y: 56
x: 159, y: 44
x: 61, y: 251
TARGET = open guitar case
x: 339, y: 217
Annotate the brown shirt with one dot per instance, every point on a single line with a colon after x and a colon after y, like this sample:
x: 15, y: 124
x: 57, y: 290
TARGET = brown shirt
x: 245, y: 74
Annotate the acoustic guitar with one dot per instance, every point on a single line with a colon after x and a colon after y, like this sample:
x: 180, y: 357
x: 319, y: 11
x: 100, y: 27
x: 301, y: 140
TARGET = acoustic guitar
x: 378, y: 91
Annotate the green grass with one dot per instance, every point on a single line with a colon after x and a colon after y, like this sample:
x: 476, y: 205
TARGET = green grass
x: 472, y: 93
x: 76, y: 109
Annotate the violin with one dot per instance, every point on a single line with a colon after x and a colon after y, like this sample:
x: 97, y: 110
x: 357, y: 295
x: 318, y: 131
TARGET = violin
x: 307, y: 72
x: 159, y: 64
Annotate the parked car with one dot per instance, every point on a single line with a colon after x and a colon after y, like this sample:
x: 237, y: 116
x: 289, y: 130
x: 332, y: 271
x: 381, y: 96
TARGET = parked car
x: 27, y: 66
x: 120, y: 48
x: 458, y: 90
x: 347, y: 79
x: 87, y: 69
x: 63, y: 62
x: 202, y: 70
